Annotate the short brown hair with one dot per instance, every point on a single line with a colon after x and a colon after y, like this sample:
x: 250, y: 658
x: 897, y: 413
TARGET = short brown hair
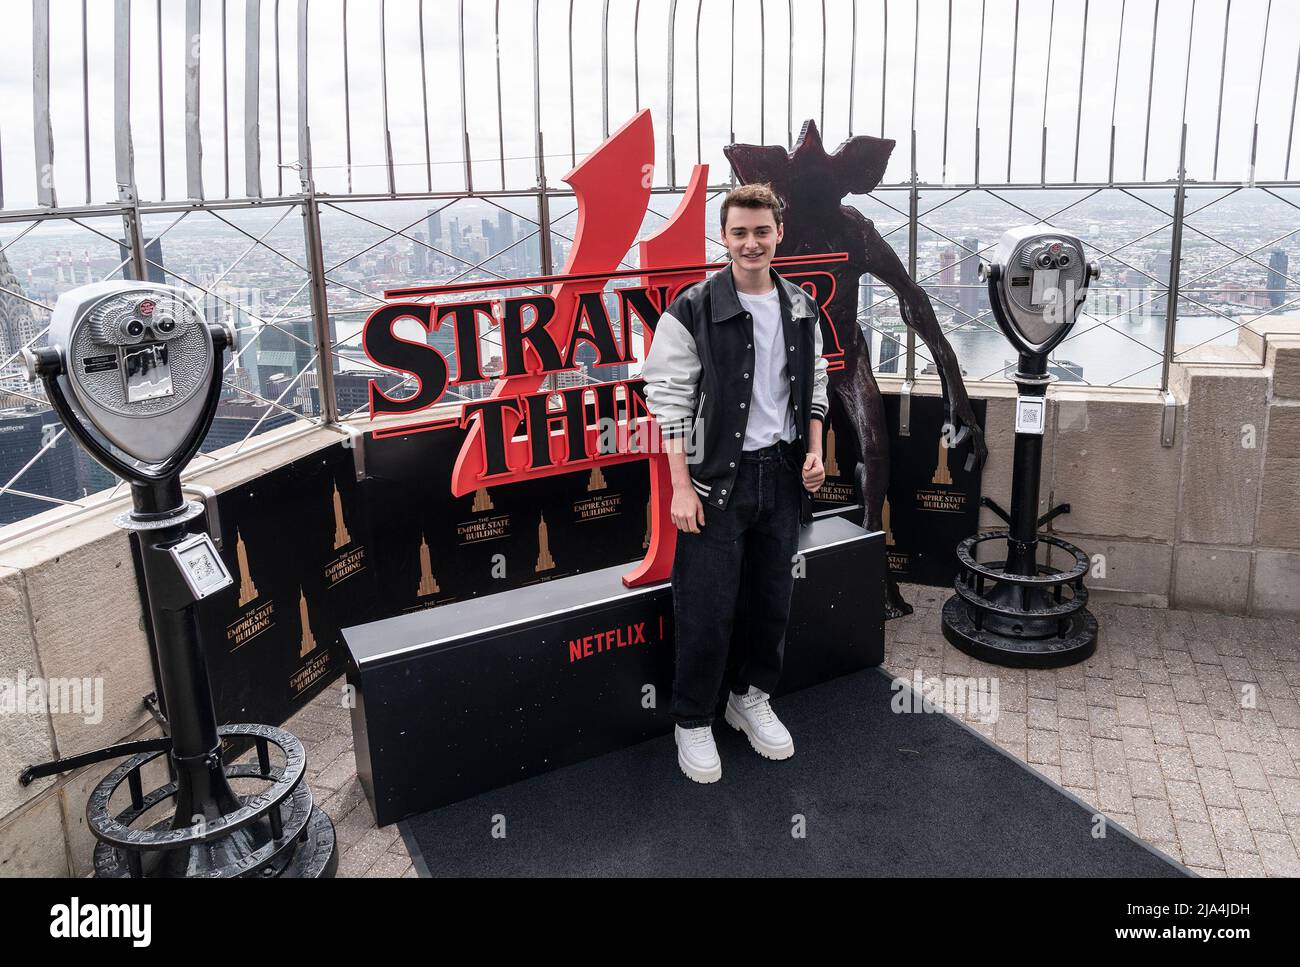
x: 752, y: 196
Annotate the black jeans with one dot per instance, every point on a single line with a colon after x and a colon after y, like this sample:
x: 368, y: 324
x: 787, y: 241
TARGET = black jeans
x: 733, y: 581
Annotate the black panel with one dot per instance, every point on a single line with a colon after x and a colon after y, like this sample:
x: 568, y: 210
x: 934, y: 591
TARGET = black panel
x: 474, y: 695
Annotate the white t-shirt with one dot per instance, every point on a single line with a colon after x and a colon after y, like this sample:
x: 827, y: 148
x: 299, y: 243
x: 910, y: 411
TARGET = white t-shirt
x: 770, y: 415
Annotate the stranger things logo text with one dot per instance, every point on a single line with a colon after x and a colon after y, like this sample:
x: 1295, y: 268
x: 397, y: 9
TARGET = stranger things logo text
x: 536, y: 432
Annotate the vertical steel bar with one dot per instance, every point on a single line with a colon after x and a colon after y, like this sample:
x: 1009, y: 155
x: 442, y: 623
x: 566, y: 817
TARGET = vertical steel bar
x: 85, y: 92
x: 424, y: 96
x: 672, y: 139
x: 762, y: 72
x: 636, y: 52
x: 916, y: 41
x: 1223, y: 74
x: 162, y: 138
x: 123, y: 156
x: 1047, y: 92
x: 1151, y: 88
x: 1175, y: 263
x: 305, y: 174
x: 789, y: 78
x: 537, y: 101
x: 43, y: 129
x: 821, y: 122
x: 979, y: 88
x: 279, y: 112
x: 1187, y: 71
x: 913, y: 204
x: 1259, y: 89
x: 853, y: 58
x: 1295, y: 90
x: 252, y: 99
x: 347, y: 101
x: 321, y: 330
x: 1078, y: 115
x: 947, y: 91
x: 604, y: 66
x: 699, y: 144
x: 731, y: 98
x: 383, y: 89
x: 1114, y: 100
x: 501, y: 123
x: 884, y: 63
x: 1011, y: 121
x: 193, y: 135
x: 543, y: 211
x: 464, y: 109
x: 573, y: 122
x: 225, y: 104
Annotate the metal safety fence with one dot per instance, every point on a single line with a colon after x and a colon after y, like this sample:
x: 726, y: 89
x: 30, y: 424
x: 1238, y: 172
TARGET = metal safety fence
x: 287, y: 160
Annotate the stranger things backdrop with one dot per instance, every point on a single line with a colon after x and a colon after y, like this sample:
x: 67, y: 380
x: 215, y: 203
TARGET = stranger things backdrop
x: 456, y: 508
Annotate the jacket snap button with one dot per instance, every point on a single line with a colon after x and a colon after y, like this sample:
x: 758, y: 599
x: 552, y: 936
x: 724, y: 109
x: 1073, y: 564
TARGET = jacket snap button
x: 749, y: 345
x: 791, y: 349
x: 737, y: 433
x: 719, y: 500
x: 733, y: 463
x: 724, y: 493
x: 796, y: 406
x: 747, y: 376
x: 742, y: 406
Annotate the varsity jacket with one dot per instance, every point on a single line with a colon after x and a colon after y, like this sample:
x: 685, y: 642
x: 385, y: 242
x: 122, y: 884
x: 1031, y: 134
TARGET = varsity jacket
x: 699, y: 377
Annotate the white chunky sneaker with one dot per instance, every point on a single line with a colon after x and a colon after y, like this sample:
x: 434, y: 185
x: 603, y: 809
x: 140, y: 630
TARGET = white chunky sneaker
x: 697, y: 754
x: 752, y: 714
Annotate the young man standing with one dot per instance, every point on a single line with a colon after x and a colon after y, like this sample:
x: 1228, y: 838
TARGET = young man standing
x: 736, y: 381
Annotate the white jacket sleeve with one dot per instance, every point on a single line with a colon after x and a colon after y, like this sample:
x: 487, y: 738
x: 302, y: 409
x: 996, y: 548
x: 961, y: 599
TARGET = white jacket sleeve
x: 672, y: 376
x: 820, y: 396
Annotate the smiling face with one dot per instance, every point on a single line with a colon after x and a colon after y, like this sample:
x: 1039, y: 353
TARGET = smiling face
x: 751, y: 236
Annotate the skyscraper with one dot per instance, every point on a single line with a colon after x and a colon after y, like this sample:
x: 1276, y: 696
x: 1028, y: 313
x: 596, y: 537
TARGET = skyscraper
x: 968, y: 278
x: 505, y: 229
x: 1158, y: 284
x: 435, y: 227
x: 1277, y: 271
x: 17, y: 324
x: 153, y: 268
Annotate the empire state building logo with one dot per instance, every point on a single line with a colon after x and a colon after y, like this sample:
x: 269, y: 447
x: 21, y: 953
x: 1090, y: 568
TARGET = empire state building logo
x: 544, y: 560
x: 884, y: 523
x: 832, y: 465
x: 247, y: 589
x: 341, y: 536
x: 308, y: 642
x: 596, y: 481
x: 941, y: 474
x: 482, y: 501
x: 428, y: 584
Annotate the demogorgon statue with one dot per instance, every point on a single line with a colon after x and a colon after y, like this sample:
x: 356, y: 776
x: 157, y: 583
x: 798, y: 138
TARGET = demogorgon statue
x: 811, y: 184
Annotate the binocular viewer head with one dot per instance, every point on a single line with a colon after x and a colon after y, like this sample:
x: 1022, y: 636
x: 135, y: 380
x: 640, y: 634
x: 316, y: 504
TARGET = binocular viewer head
x: 135, y: 362
x: 1037, y: 283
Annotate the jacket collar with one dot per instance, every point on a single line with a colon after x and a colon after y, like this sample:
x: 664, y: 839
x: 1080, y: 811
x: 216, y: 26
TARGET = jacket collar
x: 724, y: 303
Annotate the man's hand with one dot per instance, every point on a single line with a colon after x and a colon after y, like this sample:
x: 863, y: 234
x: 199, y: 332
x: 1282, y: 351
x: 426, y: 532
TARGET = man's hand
x: 687, y: 511
x: 814, y: 474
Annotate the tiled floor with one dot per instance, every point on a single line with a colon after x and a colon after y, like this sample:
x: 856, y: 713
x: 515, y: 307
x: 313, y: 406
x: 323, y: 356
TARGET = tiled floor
x: 1183, y: 727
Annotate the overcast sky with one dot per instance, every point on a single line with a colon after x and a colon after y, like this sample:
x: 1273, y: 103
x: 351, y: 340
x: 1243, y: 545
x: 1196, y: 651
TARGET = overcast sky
x: 980, y: 64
